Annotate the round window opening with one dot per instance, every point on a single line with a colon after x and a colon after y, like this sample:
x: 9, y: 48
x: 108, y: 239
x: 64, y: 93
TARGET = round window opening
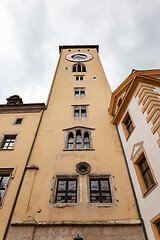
x: 83, y: 168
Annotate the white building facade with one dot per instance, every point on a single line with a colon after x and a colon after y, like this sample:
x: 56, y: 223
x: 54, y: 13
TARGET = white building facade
x: 136, y: 109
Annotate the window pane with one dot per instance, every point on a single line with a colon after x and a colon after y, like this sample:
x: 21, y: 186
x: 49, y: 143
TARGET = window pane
x: 81, y: 78
x: 104, y: 185
x: 76, y: 112
x: 83, y: 112
x: 76, y: 92
x: 82, y: 93
x: 148, y: 179
x: 61, y: 185
x: 94, y: 185
x: 72, y: 184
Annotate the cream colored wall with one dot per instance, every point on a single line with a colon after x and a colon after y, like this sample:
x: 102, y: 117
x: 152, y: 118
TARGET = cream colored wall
x: 149, y: 205
x: 15, y: 158
x: 48, y: 154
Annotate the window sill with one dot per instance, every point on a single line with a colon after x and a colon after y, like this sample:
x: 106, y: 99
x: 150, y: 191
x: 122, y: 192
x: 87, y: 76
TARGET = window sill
x: 90, y: 149
x: 1, y: 149
x: 62, y: 205
x: 104, y: 205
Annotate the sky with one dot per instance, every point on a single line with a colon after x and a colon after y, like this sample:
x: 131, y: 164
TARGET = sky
x: 127, y: 32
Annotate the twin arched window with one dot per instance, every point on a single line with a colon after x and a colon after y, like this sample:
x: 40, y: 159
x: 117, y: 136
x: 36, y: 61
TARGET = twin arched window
x: 78, y: 140
x: 78, y: 68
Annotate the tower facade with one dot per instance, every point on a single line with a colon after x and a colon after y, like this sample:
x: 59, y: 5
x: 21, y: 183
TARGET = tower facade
x: 76, y: 181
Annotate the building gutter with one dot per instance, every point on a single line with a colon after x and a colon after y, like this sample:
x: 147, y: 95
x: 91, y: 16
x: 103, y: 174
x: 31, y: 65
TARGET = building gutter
x: 30, y: 152
x: 132, y: 186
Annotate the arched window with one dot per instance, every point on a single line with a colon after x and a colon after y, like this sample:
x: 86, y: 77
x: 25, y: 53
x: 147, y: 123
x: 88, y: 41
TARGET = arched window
x: 83, y: 68
x: 70, y: 141
x: 86, y: 141
x: 78, y: 140
x: 79, y: 68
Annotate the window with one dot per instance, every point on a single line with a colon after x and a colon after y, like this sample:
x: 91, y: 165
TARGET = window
x: 128, y: 125
x: 80, y: 111
x: 66, y: 190
x: 8, y: 142
x: 78, y: 138
x: 86, y: 141
x: 5, y: 175
x: 70, y: 141
x: 79, y: 78
x: 79, y: 92
x: 78, y: 68
x: 100, y: 190
x: 18, y: 121
x: 144, y: 173
x: 156, y: 226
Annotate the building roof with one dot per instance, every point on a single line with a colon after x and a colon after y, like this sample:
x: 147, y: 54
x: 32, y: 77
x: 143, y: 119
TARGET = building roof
x: 128, y: 88
x: 78, y: 46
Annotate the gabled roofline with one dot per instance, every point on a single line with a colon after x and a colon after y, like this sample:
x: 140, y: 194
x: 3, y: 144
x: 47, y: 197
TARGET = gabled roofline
x: 77, y: 46
x: 130, y: 84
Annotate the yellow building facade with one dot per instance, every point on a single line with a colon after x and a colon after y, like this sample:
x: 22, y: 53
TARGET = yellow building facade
x: 76, y: 181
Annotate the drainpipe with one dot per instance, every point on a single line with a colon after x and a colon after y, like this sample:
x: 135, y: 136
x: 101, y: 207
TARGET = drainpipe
x: 138, y: 209
x: 19, y: 187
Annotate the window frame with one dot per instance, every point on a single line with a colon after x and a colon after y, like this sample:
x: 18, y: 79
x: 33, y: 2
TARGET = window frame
x: 79, y: 90
x: 154, y: 222
x: 22, y: 119
x: 79, y: 66
x: 112, y: 190
x: 74, y: 130
x: 10, y: 172
x: 54, y: 190
x: 4, y: 136
x: 127, y: 133
x: 79, y: 78
x: 136, y: 161
x: 80, y: 108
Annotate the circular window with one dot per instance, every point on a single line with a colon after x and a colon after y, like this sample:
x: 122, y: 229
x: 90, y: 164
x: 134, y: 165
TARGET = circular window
x: 83, y: 168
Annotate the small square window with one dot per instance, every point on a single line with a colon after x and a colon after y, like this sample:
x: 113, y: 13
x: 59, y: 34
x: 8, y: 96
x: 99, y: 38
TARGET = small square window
x: 128, y: 125
x: 18, y: 121
x: 8, y: 142
x: 66, y: 190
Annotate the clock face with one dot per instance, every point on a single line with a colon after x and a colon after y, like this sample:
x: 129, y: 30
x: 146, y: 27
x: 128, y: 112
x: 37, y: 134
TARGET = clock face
x: 79, y: 57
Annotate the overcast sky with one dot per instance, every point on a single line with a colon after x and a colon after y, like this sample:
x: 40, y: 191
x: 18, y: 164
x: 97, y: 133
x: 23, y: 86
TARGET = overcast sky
x: 127, y: 31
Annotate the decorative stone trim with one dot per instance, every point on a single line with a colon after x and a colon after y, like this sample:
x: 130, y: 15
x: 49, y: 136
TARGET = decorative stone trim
x: 150, y: 100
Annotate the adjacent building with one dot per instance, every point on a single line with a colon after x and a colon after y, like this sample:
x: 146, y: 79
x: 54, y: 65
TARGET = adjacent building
x: 135, y: 105
x: 71, y: 178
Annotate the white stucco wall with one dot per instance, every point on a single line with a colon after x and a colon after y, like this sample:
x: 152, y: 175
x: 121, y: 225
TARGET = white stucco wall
x: 149, y: 205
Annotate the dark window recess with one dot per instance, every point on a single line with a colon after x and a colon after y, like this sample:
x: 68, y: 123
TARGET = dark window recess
x: 18, y: 121
x: 3, y: 184
x: 82, y: 93
x: 83, y: 112
x: 76, y: 93
x: 78, y: 68
x: 146, y: 173
x: 8, y: 142
x: 81, y: 78
x: 76, y: 112
x: 100, y: 191
x: 158, y: 227
x: 66, y: 191
x: 129, y: 124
